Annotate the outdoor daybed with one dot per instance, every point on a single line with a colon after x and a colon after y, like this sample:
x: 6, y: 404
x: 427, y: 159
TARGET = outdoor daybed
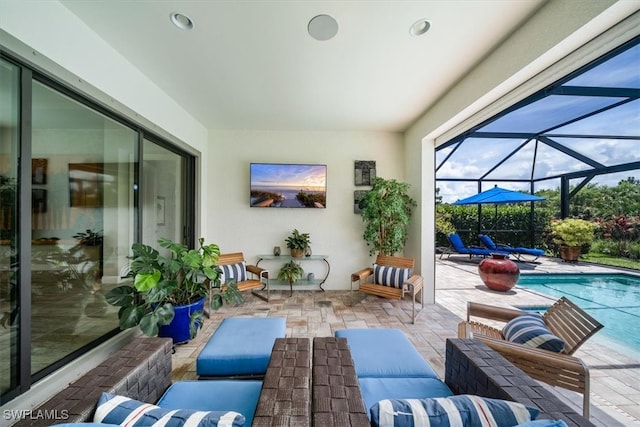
x: 394, y: 379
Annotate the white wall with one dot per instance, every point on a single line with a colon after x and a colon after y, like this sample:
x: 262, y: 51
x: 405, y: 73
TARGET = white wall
x: 335, y: 231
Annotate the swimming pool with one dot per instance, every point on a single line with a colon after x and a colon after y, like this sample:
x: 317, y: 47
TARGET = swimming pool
x: 612, y: 299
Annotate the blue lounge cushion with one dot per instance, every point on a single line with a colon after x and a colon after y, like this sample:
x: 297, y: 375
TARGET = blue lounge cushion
x: 385, y: 353
x: 390, y: 276
x: 121, y: 410
x: 214, y: 395
x: 461, y: 410
x: 375, y: 389
x: 236, y: 271
x: 240, y: 346
x: 529, y: 329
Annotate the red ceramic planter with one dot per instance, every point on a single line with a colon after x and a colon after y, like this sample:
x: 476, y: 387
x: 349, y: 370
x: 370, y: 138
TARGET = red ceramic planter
x: 498, y: 272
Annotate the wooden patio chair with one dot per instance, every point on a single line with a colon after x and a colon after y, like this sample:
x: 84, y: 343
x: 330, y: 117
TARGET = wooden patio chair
x: 391, y: 277
x: 564, y: 319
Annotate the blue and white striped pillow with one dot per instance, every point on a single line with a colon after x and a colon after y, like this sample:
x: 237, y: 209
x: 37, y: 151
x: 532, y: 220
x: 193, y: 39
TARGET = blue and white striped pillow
x: 390, y: 276
x: 462, y: 410
x: 114, y: 409
x: 236, y: 271
x: 529, y: 329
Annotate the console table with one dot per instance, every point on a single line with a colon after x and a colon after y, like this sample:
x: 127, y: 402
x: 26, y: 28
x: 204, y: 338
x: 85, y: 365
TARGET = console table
x: 304, y: 259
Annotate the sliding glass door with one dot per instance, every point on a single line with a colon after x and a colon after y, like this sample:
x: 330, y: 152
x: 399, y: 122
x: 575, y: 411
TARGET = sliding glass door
x: 79, y: 185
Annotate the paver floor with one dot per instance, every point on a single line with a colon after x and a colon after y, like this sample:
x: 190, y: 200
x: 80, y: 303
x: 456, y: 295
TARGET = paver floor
x: 615, y: 371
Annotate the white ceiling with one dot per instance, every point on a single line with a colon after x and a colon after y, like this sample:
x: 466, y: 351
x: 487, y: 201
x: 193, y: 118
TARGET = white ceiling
x: 252, y: 64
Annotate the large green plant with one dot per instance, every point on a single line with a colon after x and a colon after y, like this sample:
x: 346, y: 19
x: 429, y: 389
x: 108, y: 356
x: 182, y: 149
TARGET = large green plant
x: 386, y: 212
x: 161, y: 282
x: 572, y: 232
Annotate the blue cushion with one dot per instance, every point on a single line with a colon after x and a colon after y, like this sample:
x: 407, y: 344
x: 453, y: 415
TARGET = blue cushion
x: 370, y: 361
x: 530, y: 330
x: 236, y: 271
x: 467, y: 410
x: 114, y: 409
x: 376, y: 389
x: 214, y: 395
x: 544, y: 423
x: 390, y: 276
x: 240, y: 346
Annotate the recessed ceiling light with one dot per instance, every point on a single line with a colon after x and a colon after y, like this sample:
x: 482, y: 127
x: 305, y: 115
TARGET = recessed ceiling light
x: 181, y: 21
x: 420, y: 27
x: 322, y: 27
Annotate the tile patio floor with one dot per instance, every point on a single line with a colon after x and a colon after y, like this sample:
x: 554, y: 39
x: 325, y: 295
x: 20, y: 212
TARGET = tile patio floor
x: 615, y: 373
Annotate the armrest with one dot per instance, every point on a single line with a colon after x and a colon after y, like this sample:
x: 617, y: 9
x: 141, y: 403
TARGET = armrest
x: 257, y: 270
x: 362, y: 274
x: 416, y: 281
x: 542, y: 358
x: 491, y: 312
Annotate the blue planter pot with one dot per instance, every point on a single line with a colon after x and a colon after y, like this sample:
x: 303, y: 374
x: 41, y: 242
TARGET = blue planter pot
x: 178, y: 329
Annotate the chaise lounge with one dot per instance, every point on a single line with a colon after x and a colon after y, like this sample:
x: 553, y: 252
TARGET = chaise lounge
x: 518, y: 252
x: 459, y: 247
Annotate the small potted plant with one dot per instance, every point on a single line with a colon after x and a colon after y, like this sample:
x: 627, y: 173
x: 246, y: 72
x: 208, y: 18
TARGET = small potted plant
x: 168, y: 292
x: 298, y: 243
x: 290, y: 272
x: 570, y: 234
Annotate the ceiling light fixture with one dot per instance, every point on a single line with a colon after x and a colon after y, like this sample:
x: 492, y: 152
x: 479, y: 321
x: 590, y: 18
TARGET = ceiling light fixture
x: 322, y: 27
x: 181, y: 21
x: 419, y: 27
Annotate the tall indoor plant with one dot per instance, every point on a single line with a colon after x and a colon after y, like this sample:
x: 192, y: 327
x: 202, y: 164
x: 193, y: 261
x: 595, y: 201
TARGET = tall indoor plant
x: 162, y: 284
x: 386, y: 212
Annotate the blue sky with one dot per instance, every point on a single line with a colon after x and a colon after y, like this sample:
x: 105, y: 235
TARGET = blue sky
x: 477, y: 156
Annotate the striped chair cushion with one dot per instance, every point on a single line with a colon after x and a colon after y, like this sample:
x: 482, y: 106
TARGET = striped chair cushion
x: 390, y: 276
x: 236, y: 271
x: 529, y: 329
x: 120, y: 410
x: 461, y: 410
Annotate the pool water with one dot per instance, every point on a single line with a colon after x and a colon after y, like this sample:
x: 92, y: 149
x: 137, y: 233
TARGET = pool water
x: 612, y: 299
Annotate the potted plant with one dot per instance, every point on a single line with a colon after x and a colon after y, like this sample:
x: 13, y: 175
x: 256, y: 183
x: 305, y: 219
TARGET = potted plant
x: 168, y: 291
x: 290, y: 272
x: 298, y: 243
x: 570, y: 234
x: 386, y: 211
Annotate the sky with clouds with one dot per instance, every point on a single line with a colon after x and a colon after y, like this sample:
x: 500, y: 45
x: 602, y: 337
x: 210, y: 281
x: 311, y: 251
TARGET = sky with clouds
x: 476, y: 157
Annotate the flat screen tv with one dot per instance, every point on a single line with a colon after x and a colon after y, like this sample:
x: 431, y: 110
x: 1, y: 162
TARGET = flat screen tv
x: 278, y: 185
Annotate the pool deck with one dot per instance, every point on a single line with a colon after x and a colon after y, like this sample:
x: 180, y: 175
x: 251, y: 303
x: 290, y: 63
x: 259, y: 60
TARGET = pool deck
x: 615, y: 371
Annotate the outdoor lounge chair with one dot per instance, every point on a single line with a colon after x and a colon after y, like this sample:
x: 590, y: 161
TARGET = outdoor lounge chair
x: 518, y: 252
x: 564, y: 319
x: 391, y: 277
x: 459, y: 247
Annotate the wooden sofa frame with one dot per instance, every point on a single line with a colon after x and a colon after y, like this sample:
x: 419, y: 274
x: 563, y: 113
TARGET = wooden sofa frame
x: 259, y: 276
x: 413, y: 285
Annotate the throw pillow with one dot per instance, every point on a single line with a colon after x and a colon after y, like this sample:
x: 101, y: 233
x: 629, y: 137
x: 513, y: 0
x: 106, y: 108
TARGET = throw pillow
x: 236, y: 271
x: 390, y: 276
x: 461, y: 410
x: 114, y: 409
x: 530, y: 330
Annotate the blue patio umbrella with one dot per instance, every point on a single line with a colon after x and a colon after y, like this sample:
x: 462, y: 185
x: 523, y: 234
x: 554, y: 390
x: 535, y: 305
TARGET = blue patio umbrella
x: 498, y: 196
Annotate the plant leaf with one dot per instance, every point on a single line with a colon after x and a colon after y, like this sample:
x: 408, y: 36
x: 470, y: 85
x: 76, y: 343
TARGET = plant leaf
x: 120, y: 296
x: 145, y: 281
